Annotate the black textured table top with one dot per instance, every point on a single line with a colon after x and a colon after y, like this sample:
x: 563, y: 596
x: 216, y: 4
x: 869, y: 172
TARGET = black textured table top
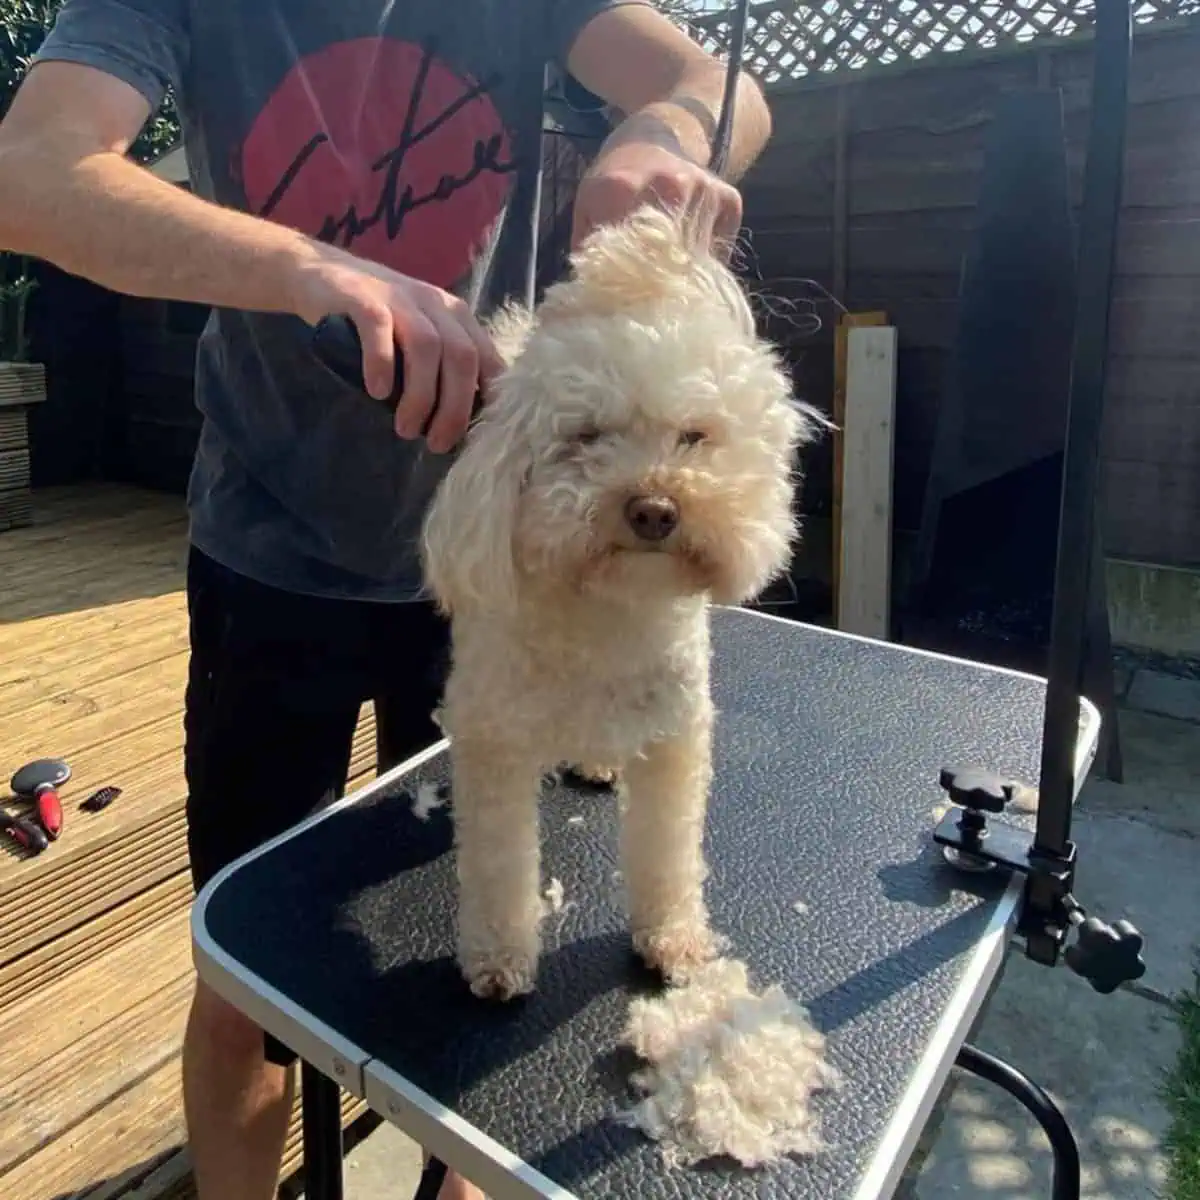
x: 823, y: 875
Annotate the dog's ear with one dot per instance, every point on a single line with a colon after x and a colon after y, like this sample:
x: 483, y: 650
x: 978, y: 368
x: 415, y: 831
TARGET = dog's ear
x: 467, y: 541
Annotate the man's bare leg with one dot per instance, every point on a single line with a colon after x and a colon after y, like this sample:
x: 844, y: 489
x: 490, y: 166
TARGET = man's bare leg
x: 237, y: 1106
x: 455, y: 1187
x: 236, y: 1103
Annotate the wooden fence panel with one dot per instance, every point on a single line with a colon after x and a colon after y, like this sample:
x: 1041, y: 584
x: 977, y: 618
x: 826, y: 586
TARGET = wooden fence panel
x: 913, y: 162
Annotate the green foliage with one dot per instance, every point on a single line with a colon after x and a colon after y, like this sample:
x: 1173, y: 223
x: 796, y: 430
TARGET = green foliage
x: 16, y: 286
x: 23, y: 26
x: 1182, y: 1094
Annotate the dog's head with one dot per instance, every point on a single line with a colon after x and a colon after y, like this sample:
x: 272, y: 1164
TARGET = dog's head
x: 641, y: 441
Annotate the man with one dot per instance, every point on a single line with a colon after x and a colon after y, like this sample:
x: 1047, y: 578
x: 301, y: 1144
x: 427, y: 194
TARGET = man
x: 351, y: 156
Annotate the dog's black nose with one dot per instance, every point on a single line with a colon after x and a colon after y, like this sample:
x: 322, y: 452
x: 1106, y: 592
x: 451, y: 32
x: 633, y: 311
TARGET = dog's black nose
x: 652, y: 518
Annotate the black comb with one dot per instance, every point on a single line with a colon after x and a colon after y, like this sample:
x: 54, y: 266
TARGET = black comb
x: 336, y: 343
x: 100, y: 799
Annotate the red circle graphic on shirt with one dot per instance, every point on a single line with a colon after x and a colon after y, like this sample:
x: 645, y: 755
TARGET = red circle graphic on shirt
x: 377, y: 146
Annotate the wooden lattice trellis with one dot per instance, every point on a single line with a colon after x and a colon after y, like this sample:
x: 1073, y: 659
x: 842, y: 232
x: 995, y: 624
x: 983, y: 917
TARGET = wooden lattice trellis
x: 787, y: 40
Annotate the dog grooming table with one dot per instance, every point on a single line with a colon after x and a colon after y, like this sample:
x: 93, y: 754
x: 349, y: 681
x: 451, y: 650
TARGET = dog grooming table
x: 338, y: 936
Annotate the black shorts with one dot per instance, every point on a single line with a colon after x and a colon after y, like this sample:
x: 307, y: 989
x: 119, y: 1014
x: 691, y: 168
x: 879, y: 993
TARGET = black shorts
x: 275, y: 685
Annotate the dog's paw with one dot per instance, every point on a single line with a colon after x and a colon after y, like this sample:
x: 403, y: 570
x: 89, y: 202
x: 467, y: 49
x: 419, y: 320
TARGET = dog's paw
x: 502, y: 977
x: 677, y: 951
x: 498, y: 956
x: 595, y: 774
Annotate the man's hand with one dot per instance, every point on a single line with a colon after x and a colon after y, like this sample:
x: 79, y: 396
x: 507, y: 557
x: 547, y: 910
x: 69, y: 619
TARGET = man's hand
x: 639, y: 171
x: 447, y: 355
x: 69, y: 195
x: 640, y: 63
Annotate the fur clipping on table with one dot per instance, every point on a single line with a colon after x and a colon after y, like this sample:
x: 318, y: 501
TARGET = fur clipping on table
x: 731, y: 1073
x: 428, y: 799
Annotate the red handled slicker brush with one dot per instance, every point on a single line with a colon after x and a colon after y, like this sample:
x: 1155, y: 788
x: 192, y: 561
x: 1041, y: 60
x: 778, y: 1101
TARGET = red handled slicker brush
x: 24, y: 833
x: 38, y: 782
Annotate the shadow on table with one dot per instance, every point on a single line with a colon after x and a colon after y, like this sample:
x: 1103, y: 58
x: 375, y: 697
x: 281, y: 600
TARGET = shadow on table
x: 361, y: 936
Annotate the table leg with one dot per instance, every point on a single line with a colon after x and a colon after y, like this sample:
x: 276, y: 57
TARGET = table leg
x: 432, y: 1178
x: 1062, y: 1141
x: 321, y: 1105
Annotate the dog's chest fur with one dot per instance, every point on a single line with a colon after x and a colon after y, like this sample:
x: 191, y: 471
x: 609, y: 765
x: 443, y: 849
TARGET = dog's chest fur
x: 583, y: 685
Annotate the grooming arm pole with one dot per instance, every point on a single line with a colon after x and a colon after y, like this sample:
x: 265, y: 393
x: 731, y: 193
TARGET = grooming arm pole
x: 1081, y: 460
x: 1106, y: 955
x: 1047, y: 915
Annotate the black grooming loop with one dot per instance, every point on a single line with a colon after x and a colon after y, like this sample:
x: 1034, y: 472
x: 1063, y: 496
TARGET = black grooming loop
x: 724, y: 131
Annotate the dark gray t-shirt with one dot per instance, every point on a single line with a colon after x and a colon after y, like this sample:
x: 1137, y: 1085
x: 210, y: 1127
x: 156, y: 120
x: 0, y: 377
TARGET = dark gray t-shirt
x: 391, y: 127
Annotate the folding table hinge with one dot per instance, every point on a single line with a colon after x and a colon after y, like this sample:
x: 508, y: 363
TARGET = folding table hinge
x: 1105, y: 955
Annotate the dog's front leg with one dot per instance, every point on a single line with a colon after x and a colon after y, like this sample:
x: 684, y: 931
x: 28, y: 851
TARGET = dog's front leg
x: 495, y: 809
x: 664, y: 798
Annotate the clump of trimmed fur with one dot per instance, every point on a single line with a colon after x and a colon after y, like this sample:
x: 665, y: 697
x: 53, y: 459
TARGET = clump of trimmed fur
x: 730, y: 1073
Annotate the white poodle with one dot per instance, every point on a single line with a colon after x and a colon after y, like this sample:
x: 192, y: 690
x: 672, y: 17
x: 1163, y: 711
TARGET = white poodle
x: 637, y: 463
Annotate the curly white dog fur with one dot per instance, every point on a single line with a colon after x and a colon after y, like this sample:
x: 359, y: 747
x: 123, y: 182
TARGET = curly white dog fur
x: 730, y: 1071
x: 636, y: 463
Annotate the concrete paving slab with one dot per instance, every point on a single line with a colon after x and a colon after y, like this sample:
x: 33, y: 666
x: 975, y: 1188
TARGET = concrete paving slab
x: 1167, y: 695
x: 1172, y: 810
x: 1137, y: 871
x: 1102, y: 1058
x: 1160, y: 752
x: 386, y: 1165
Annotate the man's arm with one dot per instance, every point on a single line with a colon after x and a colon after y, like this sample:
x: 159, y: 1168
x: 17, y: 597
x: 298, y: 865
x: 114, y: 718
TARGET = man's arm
x: 69, y: 195
x: 643, y: 64
x: 670, y: 92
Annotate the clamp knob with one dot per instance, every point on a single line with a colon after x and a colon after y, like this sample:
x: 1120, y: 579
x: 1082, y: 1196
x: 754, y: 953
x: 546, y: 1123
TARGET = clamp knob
x: 1105, y: 955
x: 977, y: 789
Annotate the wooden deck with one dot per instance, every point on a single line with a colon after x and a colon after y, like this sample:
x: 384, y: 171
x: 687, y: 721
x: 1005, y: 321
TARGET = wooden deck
x: 95, y: 965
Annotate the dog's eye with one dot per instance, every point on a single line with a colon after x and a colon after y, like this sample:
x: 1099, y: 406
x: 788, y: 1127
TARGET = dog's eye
x: 585, y: 437
x: 692, y: 437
